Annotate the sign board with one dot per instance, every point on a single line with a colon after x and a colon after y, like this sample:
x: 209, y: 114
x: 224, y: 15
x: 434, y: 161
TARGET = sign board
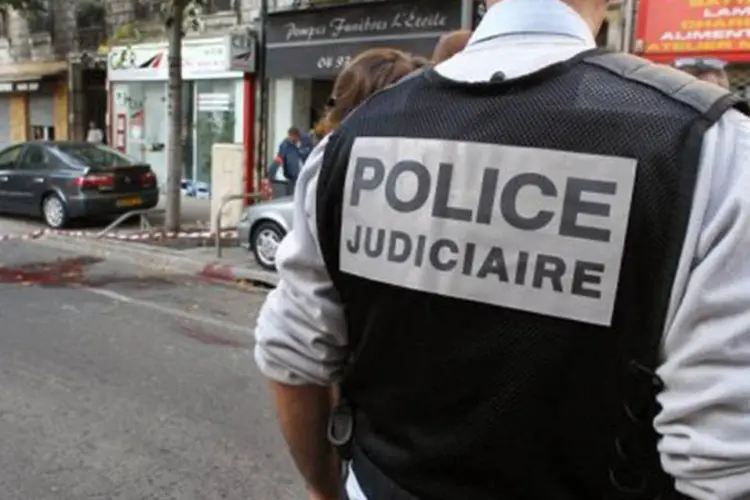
x: 320, y: 42
x: 6, y: 87
x: 242, y: 48
x: 225, y: 57
x: 537, y: 230
x: 669, y: 29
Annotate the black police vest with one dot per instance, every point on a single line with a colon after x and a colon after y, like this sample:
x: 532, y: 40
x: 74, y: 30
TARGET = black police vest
x: 458, y: 399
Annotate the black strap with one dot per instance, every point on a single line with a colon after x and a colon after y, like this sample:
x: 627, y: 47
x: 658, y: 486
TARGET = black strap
x: 701, y: 96
x: 373, y: 482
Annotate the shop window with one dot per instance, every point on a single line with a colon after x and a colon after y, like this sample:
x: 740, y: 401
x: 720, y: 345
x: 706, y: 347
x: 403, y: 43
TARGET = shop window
x: 42, y: 133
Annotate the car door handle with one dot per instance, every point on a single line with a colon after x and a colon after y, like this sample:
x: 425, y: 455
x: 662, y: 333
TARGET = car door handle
x: 4, y: 179
x: 38, y: 180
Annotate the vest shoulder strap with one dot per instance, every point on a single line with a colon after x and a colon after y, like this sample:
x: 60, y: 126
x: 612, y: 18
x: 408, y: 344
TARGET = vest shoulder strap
x: 708, y: 99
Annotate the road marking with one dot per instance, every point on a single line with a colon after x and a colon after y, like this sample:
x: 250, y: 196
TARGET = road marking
x: 170, y: 311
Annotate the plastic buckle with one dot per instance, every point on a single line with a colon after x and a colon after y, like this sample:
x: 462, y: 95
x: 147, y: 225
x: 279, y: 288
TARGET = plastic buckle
x: 341, y: 425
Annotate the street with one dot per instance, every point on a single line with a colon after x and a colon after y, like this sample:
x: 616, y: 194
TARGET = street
x: 118, y: 382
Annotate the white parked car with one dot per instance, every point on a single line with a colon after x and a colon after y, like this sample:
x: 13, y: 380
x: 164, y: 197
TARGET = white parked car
x: 263, y: 226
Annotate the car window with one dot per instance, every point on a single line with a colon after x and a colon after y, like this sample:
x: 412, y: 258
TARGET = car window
x: 9, y: 157
x: 34, y: 158
x: 95, y: 155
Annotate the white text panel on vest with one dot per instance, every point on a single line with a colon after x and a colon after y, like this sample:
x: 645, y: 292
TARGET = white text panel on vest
x: 537, y: 230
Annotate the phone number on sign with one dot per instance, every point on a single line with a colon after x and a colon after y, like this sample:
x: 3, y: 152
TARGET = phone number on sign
x: 339, y: 62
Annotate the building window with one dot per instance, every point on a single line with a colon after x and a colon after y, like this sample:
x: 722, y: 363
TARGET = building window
x: 39, y: 20
x: 147, y: 10
x: 214, y: 6
x: 3, y: 24
x: 90, y: 21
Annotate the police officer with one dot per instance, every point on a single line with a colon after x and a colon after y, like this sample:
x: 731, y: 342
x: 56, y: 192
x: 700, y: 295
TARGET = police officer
x: 528, y: 269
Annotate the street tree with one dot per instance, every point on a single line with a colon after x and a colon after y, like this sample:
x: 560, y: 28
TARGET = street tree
x: 179, y: 16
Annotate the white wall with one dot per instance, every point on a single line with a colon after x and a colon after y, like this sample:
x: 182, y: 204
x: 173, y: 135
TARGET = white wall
x: 290, y: 102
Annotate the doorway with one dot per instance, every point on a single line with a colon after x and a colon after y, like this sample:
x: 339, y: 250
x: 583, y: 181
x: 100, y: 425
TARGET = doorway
x: 321, y: 91
x: 94, y: 102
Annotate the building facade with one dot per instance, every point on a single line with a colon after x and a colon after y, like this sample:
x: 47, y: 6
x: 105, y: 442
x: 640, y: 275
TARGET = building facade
x: 308, y: 43
x: 34, y: 84
x: 214, y: 101
x: 219, y: 87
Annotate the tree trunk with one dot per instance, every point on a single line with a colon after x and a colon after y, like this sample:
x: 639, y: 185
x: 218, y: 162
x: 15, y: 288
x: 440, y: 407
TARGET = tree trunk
x: 175, y: 146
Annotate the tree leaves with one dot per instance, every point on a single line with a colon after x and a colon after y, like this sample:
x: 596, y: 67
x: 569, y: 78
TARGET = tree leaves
x: 23, y: 5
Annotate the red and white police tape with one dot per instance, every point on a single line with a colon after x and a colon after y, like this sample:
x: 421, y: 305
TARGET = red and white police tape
x: 140, y: 236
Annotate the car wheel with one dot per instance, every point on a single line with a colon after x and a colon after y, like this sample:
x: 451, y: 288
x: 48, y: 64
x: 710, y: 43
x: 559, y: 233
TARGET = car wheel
x: 54, y: 212
x: 265, y: 242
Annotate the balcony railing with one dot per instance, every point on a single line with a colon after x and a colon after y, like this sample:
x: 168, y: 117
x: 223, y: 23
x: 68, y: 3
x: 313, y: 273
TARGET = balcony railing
x: 285, y: 5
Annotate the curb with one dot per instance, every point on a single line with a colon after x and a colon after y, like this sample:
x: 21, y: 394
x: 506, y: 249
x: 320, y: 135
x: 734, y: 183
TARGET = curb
x: 159, y: 258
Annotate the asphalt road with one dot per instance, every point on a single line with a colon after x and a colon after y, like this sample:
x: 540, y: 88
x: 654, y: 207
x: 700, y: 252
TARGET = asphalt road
x: 120, y: 383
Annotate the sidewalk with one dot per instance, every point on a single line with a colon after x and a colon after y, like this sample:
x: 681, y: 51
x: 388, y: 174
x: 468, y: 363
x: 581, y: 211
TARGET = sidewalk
x: 236, y: 264
x: 130, y: 244
x: 195, y: 213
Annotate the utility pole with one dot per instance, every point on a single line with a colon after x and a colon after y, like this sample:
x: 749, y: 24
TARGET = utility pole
x: 174, y: 96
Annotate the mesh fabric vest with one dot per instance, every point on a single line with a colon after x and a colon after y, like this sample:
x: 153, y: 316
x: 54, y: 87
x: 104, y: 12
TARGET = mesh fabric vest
x: 460, y: 400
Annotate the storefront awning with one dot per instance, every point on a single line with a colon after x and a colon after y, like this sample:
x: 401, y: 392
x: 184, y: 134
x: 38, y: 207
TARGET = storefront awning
x: 31, y: 70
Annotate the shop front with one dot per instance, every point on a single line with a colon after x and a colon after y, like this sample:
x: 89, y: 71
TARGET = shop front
x: 668, y: 31
x: 33, y: 102
x: 306, y: 49
x: 217, y: 88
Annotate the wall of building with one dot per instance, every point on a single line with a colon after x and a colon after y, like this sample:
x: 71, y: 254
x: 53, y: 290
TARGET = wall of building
x: 122, y: 13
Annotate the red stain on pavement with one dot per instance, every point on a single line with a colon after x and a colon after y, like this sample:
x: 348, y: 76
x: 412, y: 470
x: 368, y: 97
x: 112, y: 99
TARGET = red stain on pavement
x: 207, y: 338
x: 214, y: 272
x: 56, y: 273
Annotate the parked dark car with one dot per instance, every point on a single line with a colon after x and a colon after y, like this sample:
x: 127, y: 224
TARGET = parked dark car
x: 61, y: 181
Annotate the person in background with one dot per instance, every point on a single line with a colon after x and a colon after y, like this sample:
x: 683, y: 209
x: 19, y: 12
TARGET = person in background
x: 450, y: 44
x: 292, y: 154
x: 95, y: 135
x: 707, y: 69
x: 369, y: 72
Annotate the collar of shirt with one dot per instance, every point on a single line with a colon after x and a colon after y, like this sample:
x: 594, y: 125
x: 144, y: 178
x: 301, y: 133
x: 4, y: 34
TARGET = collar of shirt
x: 519, y: 37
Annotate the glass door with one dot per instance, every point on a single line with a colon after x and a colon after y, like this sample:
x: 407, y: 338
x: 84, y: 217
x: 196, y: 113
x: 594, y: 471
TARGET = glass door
x: 214, y: 122
x: 155, y: 129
